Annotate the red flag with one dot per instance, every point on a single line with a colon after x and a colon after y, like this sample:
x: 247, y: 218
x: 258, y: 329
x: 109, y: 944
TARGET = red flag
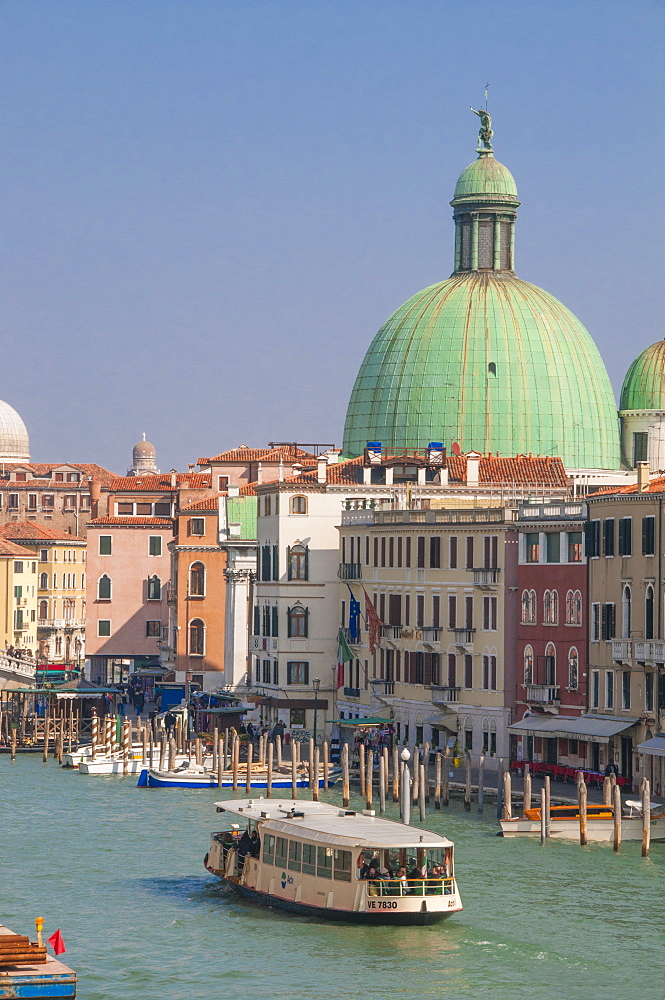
x: 374, y: 623
x: 57, y: 943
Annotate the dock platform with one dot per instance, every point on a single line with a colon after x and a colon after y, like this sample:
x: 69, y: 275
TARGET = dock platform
x: 50, y: 979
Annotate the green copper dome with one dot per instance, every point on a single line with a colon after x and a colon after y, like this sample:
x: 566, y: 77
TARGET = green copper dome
x: 484, y: 358
x: 493, y: 363
x: 644, y: 384
x: 485, y: 176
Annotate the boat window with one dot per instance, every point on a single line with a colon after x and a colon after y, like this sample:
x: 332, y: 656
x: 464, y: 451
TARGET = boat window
x: 268, y: 849
x: 324, y: 862
x: 281, y: 847
x: 295, y: 852
x: 342, y: 866
x: 309, y: 859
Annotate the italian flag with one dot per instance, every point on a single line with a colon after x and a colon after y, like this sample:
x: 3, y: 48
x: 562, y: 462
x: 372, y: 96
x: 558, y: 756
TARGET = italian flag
x: 344, y: 654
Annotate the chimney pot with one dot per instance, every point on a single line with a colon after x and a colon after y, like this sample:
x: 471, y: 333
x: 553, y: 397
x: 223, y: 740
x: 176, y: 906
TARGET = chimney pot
x: 643, y: 473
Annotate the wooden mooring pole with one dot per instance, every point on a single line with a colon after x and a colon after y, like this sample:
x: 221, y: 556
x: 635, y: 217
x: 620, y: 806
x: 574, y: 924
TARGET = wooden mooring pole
x: 437, y: 781
x: 382, y: 784
x: 646, y: 817
x: 582, y: 803
x: 326, y: 765
x: 369, y: 780
x: 548, y: 806
x: 294, y: 776
x: 481, y: 783
x: 543, y: 822
x: 527, y: 788
x: 395, y: 773
x: 467, y: 782
x: 507, y: 796
x: 446, y: 777
x: 271, y: 753
x: 345, y: 776
x: 422, y: 796
x: 248, y: 773
x: 315, y: 783
x: 361, y: 768
x: 616, y: 804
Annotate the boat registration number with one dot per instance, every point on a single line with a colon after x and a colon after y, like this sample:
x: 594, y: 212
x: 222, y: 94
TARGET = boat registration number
x: 382, y: 904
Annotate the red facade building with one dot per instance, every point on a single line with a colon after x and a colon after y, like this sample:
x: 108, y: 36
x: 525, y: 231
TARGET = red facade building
x: 552, y: 660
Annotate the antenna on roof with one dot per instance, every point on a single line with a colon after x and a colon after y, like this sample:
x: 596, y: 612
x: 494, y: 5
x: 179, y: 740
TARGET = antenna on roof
x: 456, y: 450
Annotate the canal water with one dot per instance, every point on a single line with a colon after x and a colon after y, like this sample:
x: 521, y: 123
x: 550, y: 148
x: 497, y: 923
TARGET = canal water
x: 120, y: 871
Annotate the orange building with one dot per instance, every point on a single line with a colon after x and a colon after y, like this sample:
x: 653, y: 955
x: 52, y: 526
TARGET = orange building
x: 213, y: 563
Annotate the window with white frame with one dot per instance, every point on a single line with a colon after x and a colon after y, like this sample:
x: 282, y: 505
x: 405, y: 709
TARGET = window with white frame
x: 299, y: 505
x: 104, y: 588
x: 197, y: 580
x: 154, y: 588
x: 196, y: 637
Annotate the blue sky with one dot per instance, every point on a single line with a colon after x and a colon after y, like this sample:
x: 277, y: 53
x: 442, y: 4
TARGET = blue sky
x: 211, y: 207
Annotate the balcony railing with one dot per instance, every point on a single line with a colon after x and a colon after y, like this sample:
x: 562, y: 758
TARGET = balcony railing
x: 622, y: 649
x: 417, y: 633
x: 484, y: 576
x: 463, y: 636
x: 543, y: 694
x: 444, y: 694
x: 59, y: 622
x: 352, y: 692
x: 350, y: 571
x: 353, y: 640
x: 391, y: 631
x: 381, y: 686
x: 263, y: 643
x: 650, y: 651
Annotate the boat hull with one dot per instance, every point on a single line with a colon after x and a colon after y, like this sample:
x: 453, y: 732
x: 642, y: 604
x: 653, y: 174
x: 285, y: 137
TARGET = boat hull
x: 420, y: 918
x: 601, y: 830
x: 151, y: 778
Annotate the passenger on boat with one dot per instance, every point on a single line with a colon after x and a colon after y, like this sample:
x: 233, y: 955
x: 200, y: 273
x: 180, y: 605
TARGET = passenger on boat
x: 244, y: 848
x: 255, y: 849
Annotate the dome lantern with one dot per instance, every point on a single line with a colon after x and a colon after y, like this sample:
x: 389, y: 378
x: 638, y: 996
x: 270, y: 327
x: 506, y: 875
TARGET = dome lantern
x: 484, y: 210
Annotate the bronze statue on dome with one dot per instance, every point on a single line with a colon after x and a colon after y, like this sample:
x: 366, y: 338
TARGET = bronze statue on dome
x: 485, y: 134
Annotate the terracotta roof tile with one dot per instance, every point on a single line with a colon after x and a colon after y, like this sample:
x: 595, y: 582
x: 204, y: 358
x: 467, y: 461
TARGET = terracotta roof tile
x: 655, y: 486
x: 43, y: 469
x: 209, y: 503
x: 8, y: 548
x: 31, y: 531
x: 184, y: 480
x: 244, y: 454
x: 521, y: 469
x: 133, y: 522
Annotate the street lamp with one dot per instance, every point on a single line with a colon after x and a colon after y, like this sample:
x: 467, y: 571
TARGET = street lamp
x: 316, y: 684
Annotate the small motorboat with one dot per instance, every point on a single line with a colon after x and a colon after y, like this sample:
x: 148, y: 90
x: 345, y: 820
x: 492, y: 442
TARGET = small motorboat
x: 198, y: 776
x: 565, y: 822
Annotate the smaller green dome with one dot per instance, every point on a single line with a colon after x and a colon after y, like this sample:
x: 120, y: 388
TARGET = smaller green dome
x: 485, y: 176
x: 644, y: 384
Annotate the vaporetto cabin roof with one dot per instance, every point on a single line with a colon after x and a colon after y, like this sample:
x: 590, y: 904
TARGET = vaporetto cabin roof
x: 323, y: 823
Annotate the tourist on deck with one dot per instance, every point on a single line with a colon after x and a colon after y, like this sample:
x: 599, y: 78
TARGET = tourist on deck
x: 255, y: 848
x: 244, y: 848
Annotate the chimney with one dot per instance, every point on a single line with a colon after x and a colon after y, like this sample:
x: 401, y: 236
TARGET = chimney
x: 472, y: 468
x: 642, y: 477
x: 280, y: 476
x: 174, y: 479
x: 333, y: 456
x: 259, y: 472
x: 321, y: 469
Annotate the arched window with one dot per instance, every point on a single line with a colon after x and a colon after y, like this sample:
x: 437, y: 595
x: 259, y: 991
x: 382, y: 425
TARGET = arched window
x: 104, y: 588
x: 197, y: 580
x: 550, y: 664
x: 196, y: 637
x: 648, y: 613
x: 43, y: 610
x: 528, y: 665
x: 43, y: 581
x: 550, y: 607
x: 625, y: 613
x: 486, y: 734
x: 298, y: 505
x: 298, y: 621
x: 492, y: 738
x: 570, y: 608
x: 154, y: 588
x: 573, y: 669
x: 577, y: 608
x: 526, y: 607
x: 298, y: 562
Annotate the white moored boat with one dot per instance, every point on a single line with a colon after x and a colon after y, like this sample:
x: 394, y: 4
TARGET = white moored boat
x: 75, y: 757
x: 317, y: 859
x: 565, y: 822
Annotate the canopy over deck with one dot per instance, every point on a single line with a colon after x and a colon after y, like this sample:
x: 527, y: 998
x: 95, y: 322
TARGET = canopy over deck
x: 596, y: 728
x: 328, y: 824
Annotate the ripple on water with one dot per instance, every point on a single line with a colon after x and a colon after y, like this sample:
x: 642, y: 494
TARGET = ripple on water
x: 119, y: 870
